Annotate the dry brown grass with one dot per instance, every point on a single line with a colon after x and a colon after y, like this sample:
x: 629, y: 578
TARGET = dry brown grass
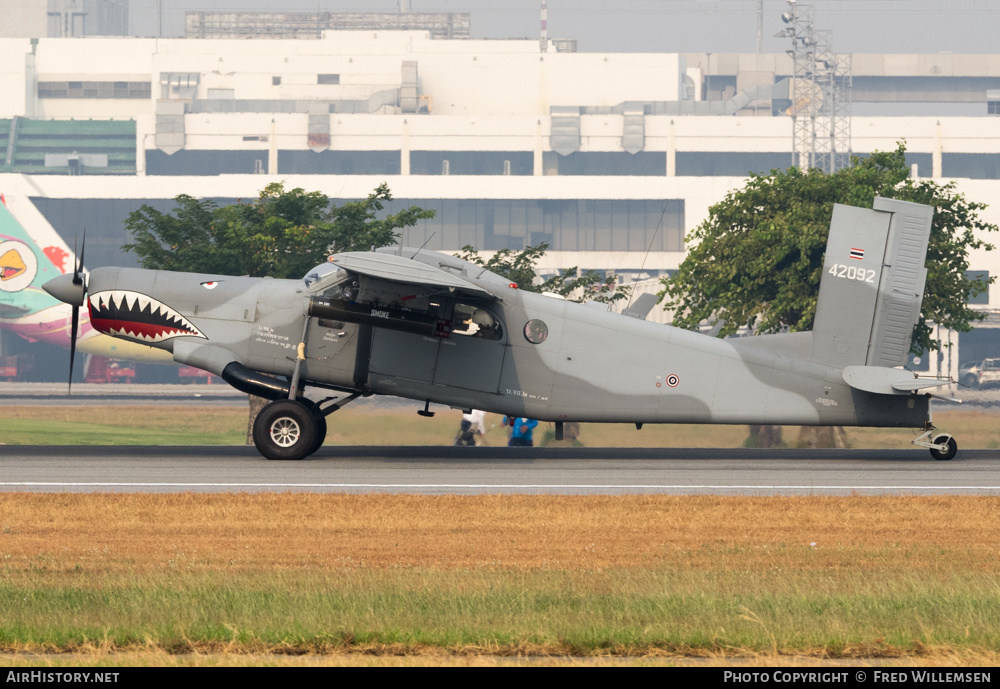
x: 439, y: 658
x: 768, y: 581
x: 137, y: 532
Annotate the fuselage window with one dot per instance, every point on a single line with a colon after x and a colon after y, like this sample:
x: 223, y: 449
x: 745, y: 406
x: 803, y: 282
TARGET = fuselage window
x: 474, y: 321
x: 322, y: 276
x: 535, y: 331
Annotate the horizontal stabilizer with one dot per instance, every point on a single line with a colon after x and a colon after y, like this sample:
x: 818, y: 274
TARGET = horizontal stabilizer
x: 642, y: 306
x: 888, y: 381
x: 12, y: 311
x: 912, y: 384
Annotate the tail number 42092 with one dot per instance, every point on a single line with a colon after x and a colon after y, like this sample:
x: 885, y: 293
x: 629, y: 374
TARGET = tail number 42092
x: 839, y: 270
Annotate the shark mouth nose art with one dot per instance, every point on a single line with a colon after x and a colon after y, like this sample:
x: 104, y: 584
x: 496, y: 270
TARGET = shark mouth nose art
x: 130, y: 314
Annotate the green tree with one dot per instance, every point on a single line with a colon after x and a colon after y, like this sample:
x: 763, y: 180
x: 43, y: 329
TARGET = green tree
x: 520, y: 267
x: 282, y: 233
x: 757, y: 259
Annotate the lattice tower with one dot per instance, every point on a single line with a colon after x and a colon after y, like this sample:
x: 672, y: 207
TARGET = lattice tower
x: 820, y: 94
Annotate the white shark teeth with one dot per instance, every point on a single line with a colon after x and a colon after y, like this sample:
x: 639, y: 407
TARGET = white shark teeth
x: 141, y: 317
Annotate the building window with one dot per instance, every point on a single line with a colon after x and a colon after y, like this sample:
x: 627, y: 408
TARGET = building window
x: 982, y: 276
x: 205, y: 162
x: 644, y: 163
x: 993, y: 102
x: 971, y: 165
x: 730, y: 163
x: 565, y: 224
x: 339, y: 162
x: 471, y: 162
x: 275, y: 81
x: 327, y: 78
x: 94, y: 89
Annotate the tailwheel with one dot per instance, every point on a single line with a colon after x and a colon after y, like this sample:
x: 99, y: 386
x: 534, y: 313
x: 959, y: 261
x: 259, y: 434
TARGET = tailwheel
x: 949, y: 443
x: 943, y: 446
x: 286, y: 429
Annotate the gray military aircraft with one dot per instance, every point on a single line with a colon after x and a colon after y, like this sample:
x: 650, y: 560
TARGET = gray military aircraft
x: 437, y: 329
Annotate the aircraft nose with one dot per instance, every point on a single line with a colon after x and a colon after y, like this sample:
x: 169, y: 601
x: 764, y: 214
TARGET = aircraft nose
x: 65, y: 289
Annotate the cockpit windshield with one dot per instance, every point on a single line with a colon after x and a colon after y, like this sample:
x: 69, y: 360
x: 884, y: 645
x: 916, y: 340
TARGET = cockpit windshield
x: 323, y: 275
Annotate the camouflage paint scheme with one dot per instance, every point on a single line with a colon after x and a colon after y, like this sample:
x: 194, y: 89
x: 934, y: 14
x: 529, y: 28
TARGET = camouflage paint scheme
x: 388, y: 323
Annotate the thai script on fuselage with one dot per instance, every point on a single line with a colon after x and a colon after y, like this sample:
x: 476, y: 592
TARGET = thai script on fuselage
x: 266, y: 335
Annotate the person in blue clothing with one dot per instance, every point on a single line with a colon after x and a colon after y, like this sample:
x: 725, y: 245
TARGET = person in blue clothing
x: 521, y: 430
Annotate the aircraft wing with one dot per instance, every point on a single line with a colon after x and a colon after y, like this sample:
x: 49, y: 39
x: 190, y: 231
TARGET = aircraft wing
x: 405, y: 270
x: 11, y: 311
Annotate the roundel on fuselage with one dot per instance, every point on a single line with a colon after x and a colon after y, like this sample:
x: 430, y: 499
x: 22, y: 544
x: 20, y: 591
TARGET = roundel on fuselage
x: 18, y: 266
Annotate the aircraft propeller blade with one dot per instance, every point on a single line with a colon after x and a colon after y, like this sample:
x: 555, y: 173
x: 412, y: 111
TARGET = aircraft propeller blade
x: 72, y: 345
x: 75, y: 327
x: 78, y: 265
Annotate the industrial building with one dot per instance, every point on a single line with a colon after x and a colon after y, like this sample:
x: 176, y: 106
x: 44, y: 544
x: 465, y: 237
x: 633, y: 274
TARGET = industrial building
x: 610, y: 158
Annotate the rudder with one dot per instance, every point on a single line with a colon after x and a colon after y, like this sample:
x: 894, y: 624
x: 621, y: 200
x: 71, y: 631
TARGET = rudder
x: 901, y: 291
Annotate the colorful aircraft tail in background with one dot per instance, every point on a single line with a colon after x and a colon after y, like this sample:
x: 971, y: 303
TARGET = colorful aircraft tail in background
x: 28, y: 259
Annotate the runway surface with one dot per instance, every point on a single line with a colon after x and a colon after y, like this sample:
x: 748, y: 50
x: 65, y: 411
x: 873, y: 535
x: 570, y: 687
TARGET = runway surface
x: 453, y: 470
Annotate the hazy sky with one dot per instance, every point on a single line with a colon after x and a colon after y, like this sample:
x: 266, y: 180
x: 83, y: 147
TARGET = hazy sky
x: 860, y: 26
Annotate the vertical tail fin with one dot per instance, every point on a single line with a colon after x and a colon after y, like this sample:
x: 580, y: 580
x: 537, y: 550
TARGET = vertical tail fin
x: 873, y: 283
x: 31, y: 253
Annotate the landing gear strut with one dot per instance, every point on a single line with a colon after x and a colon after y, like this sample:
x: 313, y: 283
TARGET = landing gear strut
x: 943, y: 446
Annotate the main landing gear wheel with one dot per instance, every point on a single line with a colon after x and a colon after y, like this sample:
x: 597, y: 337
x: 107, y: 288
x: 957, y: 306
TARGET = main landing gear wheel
x: 320, y: 428
x: 947, y: 454
x: 286, y: 429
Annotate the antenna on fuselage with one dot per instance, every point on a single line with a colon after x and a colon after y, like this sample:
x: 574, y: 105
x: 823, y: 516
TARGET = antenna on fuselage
x: 648, y: 249
x: 424, y: 244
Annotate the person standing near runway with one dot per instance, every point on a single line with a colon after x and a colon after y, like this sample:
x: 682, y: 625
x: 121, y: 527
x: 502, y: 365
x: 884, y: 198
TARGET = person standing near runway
x: 473, y: 426
x: 521, y: 431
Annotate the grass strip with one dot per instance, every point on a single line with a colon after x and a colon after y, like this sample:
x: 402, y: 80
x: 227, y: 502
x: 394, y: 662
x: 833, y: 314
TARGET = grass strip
x: 841, y: 577
x: 176, y: 425
x: 500, y: 613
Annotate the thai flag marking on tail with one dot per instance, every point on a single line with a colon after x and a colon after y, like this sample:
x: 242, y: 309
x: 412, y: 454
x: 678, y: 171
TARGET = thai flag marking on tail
x: 858, y: 254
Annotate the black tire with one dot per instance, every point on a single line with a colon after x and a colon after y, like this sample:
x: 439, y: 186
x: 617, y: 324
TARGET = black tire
x: 320, y: 430
x: 952, y: 448
x: 285, y: 429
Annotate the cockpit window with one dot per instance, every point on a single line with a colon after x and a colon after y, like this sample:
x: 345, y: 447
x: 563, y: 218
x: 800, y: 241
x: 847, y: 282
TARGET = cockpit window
x: 474, y: 321
x: 323, y: 275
